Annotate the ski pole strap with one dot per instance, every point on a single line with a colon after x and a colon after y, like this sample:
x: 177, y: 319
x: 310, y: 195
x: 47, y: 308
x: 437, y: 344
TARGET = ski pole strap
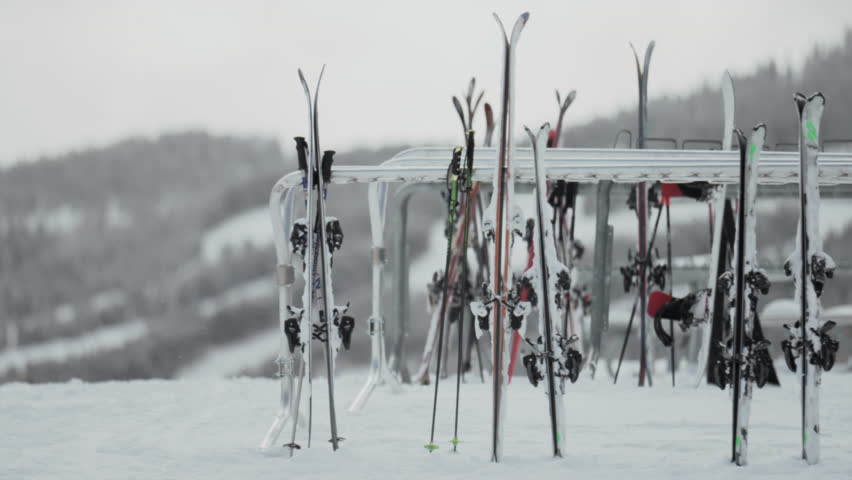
x: 379, y: 255
x: 286, y: 275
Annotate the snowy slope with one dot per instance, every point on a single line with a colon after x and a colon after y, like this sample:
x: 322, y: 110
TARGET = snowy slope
x: 231, y: 359
x: 96, y: 341
x: 210, y: 430
x: 250, y: 227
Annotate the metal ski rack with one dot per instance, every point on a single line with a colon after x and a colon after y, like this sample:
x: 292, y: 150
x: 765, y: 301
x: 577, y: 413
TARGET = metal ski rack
x: 426, y: 165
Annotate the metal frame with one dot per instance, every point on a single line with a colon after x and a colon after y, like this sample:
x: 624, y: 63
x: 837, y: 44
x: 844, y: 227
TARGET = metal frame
x: 716, y: 144
x: 426, y: 165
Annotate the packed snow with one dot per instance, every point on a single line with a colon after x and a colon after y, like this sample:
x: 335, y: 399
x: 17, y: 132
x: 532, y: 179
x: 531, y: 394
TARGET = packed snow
x: 210, y: 429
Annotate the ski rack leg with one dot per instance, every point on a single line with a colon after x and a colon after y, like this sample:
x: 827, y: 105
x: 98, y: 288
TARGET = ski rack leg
x: 379, y: 371
x: 281, y: 213
x: 400, y: 277
x: 599, y: 281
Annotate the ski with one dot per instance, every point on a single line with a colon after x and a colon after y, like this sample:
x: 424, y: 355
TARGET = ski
x: 811, y: 267
x: 720, y: 251
x: 551, y: 278
x: 322, y: 233
x: 499, y: 222
x: 746, y: 365
x: 561, y: 197
x: 451, y: 276
x: 642, y: 212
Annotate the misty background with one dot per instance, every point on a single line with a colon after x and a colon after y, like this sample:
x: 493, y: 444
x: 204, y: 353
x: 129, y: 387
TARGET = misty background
x: 141, y: 142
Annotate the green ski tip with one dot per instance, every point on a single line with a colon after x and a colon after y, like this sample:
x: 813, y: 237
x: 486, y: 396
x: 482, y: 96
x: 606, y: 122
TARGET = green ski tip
x: 739, y: 441
x: 431, y: 447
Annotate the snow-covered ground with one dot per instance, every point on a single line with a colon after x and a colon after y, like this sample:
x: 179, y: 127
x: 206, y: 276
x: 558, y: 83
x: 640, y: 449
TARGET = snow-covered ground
x: 210, y: 429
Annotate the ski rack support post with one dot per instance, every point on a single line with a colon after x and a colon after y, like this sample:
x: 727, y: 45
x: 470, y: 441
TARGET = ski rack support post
x: 379, y: 371
x: 400, y: 274
x: 281, y: 211
x: 600, y: 305
x: 603, y: 259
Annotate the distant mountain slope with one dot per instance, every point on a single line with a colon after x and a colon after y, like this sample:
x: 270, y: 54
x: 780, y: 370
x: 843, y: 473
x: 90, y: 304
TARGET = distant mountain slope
x: 765, y: 95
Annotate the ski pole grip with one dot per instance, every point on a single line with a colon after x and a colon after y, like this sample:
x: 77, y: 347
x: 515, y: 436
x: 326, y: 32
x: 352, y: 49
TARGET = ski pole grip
x: 302, y: 153
x: 327, y: 161
x: 379, y: 256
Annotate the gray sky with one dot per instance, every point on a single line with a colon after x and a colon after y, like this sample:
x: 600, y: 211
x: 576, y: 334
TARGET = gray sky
x: 77, y: 73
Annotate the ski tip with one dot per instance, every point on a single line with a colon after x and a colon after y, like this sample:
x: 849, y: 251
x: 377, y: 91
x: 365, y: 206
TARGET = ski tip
x: 431, y: 447
x: 530, y: 134
x: 502, y: 28
x: 741, y: 138
x: 800, y: 101
x: 458, y: 106
x: 572, y: 95
x: 817, y: 97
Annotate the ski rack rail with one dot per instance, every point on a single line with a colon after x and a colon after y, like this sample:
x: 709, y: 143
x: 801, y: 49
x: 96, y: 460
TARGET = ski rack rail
x: 427, y: 165
x: 584, y: 165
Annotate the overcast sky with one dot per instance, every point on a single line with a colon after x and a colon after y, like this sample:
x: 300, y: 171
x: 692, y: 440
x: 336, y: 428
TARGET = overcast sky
x: 78, y: 73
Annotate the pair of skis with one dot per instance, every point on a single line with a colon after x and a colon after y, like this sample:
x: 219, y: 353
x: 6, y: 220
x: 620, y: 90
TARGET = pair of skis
x: 500, y: 222
x: 450, y: 276
x: 561, y: 196
x: 809, y: 341
x: 747, y: 362
x: 504, y: 312
x: 315, y: 238
x: 554, y: 353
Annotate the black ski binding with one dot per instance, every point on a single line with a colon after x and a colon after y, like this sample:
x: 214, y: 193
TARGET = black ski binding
x: 299, y: 238
x: 347, y: 326
x: 828, y: 352
x: 533, y: 373
x: 291, y: 331
x: 334, y: 235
